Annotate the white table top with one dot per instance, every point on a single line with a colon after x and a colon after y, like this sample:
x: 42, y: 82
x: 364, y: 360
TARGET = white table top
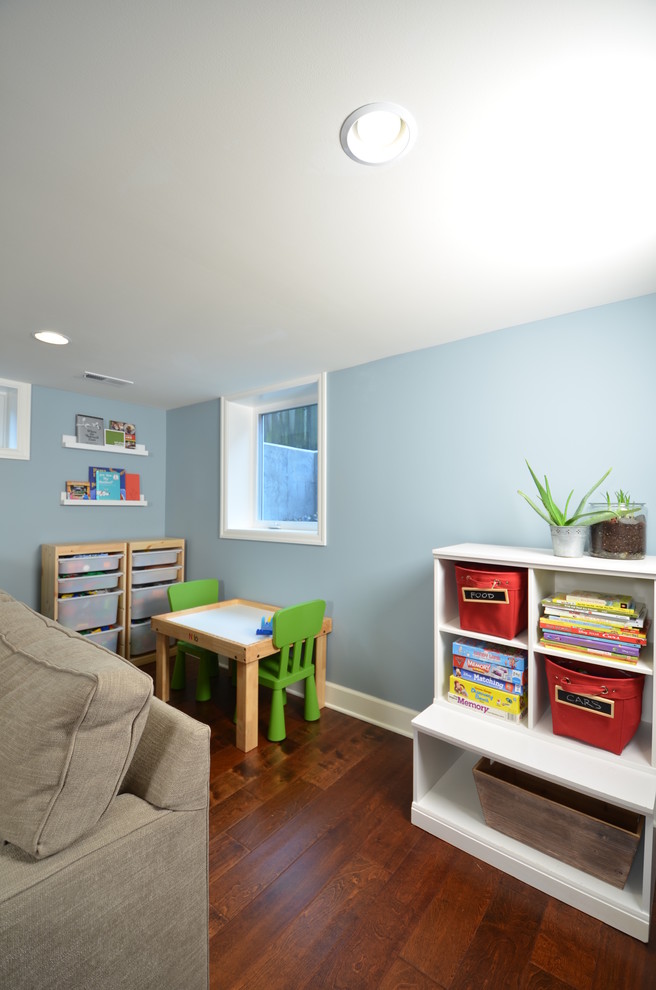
x: 234, y: 622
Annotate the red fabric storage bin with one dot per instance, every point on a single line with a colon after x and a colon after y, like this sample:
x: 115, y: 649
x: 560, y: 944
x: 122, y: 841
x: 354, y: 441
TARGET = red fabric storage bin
x: 601, y: 706
x: 493, y: 602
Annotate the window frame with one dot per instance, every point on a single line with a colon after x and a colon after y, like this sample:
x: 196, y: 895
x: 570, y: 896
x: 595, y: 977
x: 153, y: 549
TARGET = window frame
x: 240, y: 463
x: 21, y: 451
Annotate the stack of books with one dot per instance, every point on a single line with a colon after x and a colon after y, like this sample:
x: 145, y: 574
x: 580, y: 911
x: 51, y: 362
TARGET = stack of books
x: 590, y: 622
x: 489, y: 679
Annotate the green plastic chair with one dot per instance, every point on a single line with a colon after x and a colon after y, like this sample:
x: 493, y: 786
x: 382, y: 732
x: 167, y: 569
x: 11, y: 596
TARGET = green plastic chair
x: 294, y: 632
x: 189, y: 594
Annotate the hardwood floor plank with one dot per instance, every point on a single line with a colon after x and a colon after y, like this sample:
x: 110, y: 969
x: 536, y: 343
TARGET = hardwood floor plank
x: 624, y: 963
x: 566, y: 945
x: 370, y: 947
x: 402, y: 976
x: 318, y: 880
x: 502, y: 943
x: 442, y: 936
x: 310, y: 939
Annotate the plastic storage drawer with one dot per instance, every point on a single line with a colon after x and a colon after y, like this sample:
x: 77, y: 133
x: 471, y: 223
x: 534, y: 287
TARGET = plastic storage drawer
x: 154, y: 558
x: 142, y: 638
x: 83, y: 563
x: 89, y: 611
x: 89, y: 582
x: 149, y: 600
x: 105, y: 637
x: 154, y: 575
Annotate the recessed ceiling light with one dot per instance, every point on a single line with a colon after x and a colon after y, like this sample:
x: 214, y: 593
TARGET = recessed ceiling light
x: 50, y: 337
x: 378, y: 133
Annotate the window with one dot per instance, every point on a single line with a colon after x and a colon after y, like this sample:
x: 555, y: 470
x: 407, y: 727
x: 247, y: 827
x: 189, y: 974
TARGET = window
x: 273, y: 464
x: 15, y: 403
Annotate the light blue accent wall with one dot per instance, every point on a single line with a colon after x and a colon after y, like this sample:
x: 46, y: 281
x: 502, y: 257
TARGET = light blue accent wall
x: 425, y: 450
x: 30, y: 509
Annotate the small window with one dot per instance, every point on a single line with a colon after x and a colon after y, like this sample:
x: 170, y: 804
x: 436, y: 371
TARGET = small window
x: 273, y: 473
x: 15, y: 404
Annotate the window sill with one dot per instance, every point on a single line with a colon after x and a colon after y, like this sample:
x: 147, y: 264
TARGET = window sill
x: 275, y: 536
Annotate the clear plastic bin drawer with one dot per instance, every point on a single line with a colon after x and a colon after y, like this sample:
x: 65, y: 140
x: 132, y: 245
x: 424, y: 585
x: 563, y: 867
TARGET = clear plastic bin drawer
x: 149, y: 600
x: 105, y: 637
x: 154, y: 558
x: 88, y: 582
x: 154, y: 575
x: 142, y: 638
x: 89, y: 611
x: 83, y: 563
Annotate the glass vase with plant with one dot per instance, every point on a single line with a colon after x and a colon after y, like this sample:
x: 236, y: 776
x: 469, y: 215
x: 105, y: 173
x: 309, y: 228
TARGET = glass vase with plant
x: 622, y: 535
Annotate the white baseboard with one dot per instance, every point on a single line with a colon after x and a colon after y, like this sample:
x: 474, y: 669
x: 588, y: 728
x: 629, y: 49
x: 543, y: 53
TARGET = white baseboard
x: 385, y: 714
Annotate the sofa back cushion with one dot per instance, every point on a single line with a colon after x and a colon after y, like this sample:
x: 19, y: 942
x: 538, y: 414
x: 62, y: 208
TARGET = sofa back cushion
x: 71, y: 715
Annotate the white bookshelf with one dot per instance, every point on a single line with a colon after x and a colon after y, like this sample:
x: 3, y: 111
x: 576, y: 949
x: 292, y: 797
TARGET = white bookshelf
x: 449, y: 740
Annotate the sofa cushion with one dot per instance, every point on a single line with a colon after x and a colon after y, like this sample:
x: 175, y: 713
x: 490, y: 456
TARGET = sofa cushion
x: 71, y: 715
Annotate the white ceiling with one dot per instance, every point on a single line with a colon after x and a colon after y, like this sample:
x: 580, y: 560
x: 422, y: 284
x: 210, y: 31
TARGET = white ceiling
x: 174, y: 196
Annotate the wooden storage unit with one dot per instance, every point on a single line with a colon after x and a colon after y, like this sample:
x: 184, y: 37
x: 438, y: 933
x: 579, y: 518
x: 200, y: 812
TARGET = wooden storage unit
x: 152, y: 565
x: 449, y: 740
x: 79, y: 568
x: 137, y: 561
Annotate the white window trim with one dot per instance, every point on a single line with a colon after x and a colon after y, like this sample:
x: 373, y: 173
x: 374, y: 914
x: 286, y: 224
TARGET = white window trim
x: 239, y: 443
x: 21, y: 452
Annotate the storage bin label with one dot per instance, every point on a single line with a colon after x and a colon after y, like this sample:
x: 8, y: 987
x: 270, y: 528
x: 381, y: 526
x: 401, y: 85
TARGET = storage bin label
x: 589, y: 702
x: 485, y: 595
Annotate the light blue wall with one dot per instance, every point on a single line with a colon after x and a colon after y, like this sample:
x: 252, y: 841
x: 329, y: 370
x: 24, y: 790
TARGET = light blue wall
x: 30, y: 509
x: 425, y: 450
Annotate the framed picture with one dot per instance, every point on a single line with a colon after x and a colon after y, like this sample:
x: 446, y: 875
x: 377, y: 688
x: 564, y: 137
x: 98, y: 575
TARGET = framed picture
x: 78, y: 489
x: 114, y: 438
x: 128, y: 429
x: 89, y: 429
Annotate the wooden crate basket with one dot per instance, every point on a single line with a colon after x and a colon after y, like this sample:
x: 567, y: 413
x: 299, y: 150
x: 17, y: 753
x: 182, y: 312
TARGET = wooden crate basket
x: 584, y: 832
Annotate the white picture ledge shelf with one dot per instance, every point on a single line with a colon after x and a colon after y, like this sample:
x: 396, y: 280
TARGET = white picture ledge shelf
x: 139, y: 450
x: 124, y: 503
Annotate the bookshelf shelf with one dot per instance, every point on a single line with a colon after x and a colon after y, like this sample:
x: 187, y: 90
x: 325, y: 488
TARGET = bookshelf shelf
x: 140, y: 503
x: 71, y: 442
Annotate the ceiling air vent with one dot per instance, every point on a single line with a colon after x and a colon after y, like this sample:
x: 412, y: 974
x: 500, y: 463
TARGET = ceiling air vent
x: 94, y: 377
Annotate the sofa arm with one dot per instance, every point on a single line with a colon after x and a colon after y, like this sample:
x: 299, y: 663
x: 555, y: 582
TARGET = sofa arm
x: 170, y: 767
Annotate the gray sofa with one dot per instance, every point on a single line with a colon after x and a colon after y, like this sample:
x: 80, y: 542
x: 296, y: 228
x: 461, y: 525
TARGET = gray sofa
x: 103, y: 819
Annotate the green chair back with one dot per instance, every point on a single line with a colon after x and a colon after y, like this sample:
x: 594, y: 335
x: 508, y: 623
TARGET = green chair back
x: 294, y: 631
x: 191, y: 594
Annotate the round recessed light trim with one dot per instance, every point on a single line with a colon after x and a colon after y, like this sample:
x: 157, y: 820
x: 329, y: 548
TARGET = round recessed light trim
x: 51, y: 337
x: 378, y: 133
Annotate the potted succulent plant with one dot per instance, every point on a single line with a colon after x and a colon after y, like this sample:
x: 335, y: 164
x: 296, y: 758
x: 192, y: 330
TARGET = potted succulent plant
x: 569, y: 530
x: 623, y: 536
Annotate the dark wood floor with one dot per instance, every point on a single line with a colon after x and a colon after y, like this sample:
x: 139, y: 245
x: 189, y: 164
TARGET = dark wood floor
x: 318, y: 880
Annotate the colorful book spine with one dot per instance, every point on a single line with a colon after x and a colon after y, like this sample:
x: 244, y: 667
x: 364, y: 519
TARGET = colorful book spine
x: 589, y: 642
x: 476, y: 650
x: 594, y: 629
x: 594, y: 599
x: 501, y: 700
x: 580, y: 605
x: 602, y: 654
x: 488, y: 668
x: 607, y: 618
